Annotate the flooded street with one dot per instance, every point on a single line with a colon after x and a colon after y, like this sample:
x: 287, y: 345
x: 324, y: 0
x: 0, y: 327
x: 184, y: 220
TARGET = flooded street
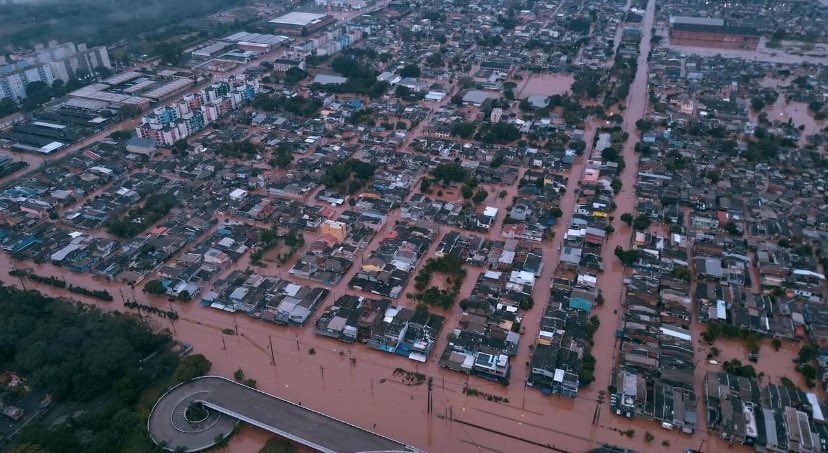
x: 356, y: 384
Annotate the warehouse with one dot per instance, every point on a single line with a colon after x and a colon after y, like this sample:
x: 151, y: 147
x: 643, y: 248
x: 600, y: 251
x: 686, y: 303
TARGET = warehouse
x: 299, y: 23
x: 711, y: 32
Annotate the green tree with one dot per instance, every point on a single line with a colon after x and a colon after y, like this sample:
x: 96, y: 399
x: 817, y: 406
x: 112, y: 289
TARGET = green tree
x: 578, y: 145
x: 609, y: 154
x: 277, y: 445
x: 129, y: 111
x: 402, y: 91
x: 410, y: 70
x: 641, y: 222
x: 295, y: 75
x: 449, y: 172
x: 103, y: 72
x: 435, y: 60
x: 644, y: 125
x: 120, y: 135
x: 463, y: 130
x: 757, y: 104
x: 479, y: 196
x: 7, y: 107
x: 776, y: 343
x: 191, y: 367
x: 37, y: 94
x: 735, y: 367
x: 627, y: 218
x: 154, y: 287
x: 807, y: 353
x: 180, y: 145
x: 627, y: 257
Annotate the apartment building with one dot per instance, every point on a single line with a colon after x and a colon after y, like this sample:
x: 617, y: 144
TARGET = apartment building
x: 47, y: 64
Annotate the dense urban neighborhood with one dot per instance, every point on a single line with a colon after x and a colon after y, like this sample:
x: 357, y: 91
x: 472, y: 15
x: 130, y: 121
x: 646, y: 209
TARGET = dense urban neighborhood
x: 417, y: 226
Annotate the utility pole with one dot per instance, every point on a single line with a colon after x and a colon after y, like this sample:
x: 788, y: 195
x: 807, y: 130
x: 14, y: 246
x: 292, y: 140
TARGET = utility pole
x: 20, y: 276
x: 272, y: 355
x: 430, y: 388
x: 172, y: 321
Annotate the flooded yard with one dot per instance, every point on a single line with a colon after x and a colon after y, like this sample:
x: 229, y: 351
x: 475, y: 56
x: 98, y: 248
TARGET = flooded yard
x: 544, y: 85
x: 796, y: 112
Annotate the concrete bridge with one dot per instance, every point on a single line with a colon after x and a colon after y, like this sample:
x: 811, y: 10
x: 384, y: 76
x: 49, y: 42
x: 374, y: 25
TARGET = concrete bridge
x: 227, y: 402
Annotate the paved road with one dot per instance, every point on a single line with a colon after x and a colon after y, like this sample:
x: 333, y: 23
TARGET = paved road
x: 237, y: 402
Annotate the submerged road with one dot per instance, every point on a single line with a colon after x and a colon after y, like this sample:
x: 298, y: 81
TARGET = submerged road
x: 227, y: 401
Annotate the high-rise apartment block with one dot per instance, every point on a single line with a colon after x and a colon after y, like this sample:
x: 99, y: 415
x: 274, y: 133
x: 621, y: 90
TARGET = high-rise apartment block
x: 47, y: 64
x: 182, y: 118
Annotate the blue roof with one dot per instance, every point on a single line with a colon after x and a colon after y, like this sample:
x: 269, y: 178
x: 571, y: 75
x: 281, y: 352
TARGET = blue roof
x: 581, y: 304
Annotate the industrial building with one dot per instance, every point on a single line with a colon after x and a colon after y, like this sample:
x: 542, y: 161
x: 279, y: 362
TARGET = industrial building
x: 51, y: 130
x: 711, y: 32
x: 301, y: 23
x: 129, y: 88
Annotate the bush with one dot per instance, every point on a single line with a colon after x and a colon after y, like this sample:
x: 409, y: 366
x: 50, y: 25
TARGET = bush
x: 479, y: 196
x: 277, y: 445
x: 735, y: 367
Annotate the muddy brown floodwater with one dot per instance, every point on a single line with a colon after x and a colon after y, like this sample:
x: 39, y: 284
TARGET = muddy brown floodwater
x: 797, y: 112
x: 545, y: 84
x: 355, y: 383
x: 762, y: 53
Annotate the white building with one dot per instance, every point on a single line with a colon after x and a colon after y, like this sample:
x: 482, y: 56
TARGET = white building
x: 47, y: 64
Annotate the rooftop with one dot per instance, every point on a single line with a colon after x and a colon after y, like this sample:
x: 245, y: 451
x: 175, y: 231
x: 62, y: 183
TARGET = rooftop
x: 298, y: 18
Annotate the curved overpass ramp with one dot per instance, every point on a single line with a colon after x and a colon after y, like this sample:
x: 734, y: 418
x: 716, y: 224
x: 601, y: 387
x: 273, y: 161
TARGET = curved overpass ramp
x: 227, y: 401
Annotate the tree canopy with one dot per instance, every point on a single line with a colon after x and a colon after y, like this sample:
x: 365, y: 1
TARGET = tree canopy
x: 348, y: 176
x: 80, y: 353
x: 449, y: 173
x: 410, y: 70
